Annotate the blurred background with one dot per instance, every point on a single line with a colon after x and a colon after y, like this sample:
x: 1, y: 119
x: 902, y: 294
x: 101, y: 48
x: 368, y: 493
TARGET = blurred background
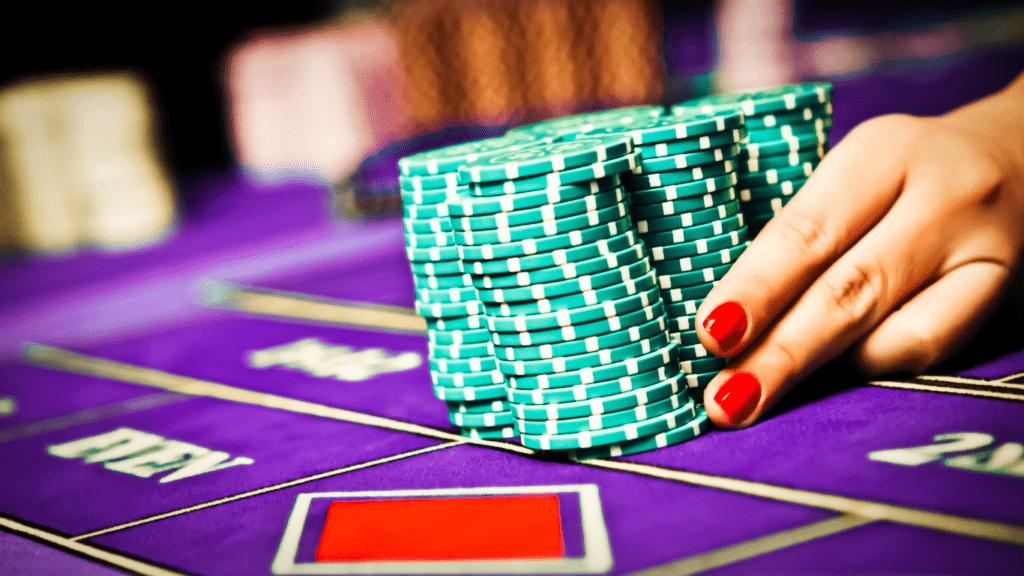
x: 134, y: 140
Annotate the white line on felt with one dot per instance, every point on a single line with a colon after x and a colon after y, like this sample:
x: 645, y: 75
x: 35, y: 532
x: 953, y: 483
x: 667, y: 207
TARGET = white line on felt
x: 94, y: 414
x: 267, y: 489
x: 1011, y: 377
x: 973, y: 527
x: 302, y: 306
x: 948, y: 389
x: 1000, y: 383
x: 78, y: 363
x: 91, y: 365
x: 86, y: 550
x: 757, y: 546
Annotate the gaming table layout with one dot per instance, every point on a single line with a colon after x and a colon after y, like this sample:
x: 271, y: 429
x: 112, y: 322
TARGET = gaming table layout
x: 244, y: 439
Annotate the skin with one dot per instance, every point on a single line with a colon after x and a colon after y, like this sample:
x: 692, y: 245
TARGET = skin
x: 895, y: 251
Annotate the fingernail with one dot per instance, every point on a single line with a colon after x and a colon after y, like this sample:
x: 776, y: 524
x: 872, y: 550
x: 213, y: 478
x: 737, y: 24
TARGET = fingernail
x: 739, y: 396
x: 726, y: 324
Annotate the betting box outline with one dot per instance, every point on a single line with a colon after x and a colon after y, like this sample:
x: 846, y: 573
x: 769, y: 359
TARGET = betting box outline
x: 597, y: 553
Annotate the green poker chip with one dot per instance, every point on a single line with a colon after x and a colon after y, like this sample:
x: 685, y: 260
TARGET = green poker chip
x: 565, y: 272
x: 677, y: 191
x: 689, y: 160
x: 450, y: 309
x: 773, y: 205
x: 559, y: 257
x: 458, y: 337
x: 543, y: 230
x: 691, y: 263
x: 463, y: 323
x: 479, y: 407
x: 684, y: 279
x: 558, y: 179
x: 776, y: 175
x: 615, y: 435
x: 680, y: 295
x: 683, y: 205
x: 589, y: 345
x: 681, y: 235
x: 533, y: 246
x: 587, y: 122
x: 795, y: 143
x: 467, y: 380
x: 538, y: 397
x: 469, y: 394
x: 604, y: 421
x: 818, y: 127
x: 468, y: 205
x: 574, y: 301
x: 432, y: 254
x: 697, y: 426
x: 671, y: 128
x: 427, y: 225
x: 702, y: 365
x: 544, y: 158
x: 807, y: 114
x: 461, y: 351
x: 495, y: 433
x: 614, y: 402
x: 431, y: 197
x: 448, y: 159
x: 682, y: 323
x: 579, y: 331
x: 692, y: 145
x: 448, y: 182
x: 685, y: 337
x: 659, y: 179
x: 424, y: 211
x: 582, y: 361
x: 778, y: 99
x: 483, y: 420
x: 464, y: 365
x: 762, y: 163
x: 436, y: 268
x: 446, y: 296
x: 442, y: 281
x: 545, y: 213
x: 693, y: 352
x: 769, y: 191
x: 700, y: 246
x: 439, y: 239
x: 629, y: 367
x: 685, y: 308
x: 567, y: 318
x: 575, y: 286
x: 688, y: 219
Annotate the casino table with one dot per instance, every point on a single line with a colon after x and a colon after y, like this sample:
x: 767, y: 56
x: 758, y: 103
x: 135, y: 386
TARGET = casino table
x: 252, y: 397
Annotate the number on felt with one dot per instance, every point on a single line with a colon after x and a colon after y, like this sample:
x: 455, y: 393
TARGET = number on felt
x: 917, y: 455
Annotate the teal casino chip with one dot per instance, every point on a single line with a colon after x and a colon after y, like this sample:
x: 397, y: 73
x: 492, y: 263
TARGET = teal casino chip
x: 672, y: 207
x: 470, y: 393
x: 464, y: 365
x: 689, y: 160
x: 566, y: 271
x: 533, y: 246
x: 691, y: 263
x: 589, y: 121
x: 539, y: 397
x: 573, y: 301
x: 692, y: 429
x: 629, y: 367
x: 458, y: 337
x: 760, y: 164
x: 677, y: 127
x: 767, y: 192
x: 579, y: 285
x: 463, y: 323
x: 446, y: 296
x: 496, y: 433
x: 684, y: 279
x: 579, y: 331
x: 568, y: 318
x: 776, y: 175
x: 818, y: 127
x: 700, y: 246
x: 545, y: 213
x: 688, y: 219
x: 466, y: 204
x: 543, y: 158
x: 808, y: 114
x: 559, y: 257
x: 442, y: 281
x: 582, y: 361
x: 481, y: 420
x: 558, y: 179
x: 597, y: 406
x: 778, y: 99
x: 681, y: 235
x: 660, y: 179
x: 479, y: 407
x: 685, y: 337
x: 588, y: 345
x: 677, y: 191
x: 788, y: 145
x: 455, y: 351
x: 691, y: 145
x: 605, y: 421
x: 678, y: 295
x: 615, y: 435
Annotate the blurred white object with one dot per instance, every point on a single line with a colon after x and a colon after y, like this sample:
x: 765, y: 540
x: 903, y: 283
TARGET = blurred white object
x: 755, y: 43
x: 79, y: 164
x: 313, y: 101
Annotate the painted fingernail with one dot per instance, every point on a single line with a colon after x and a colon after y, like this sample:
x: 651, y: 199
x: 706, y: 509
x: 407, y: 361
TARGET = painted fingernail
x: 739, y: 396
x: 726, y: 324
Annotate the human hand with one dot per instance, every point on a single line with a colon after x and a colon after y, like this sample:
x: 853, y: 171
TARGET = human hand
x: 898, y: 246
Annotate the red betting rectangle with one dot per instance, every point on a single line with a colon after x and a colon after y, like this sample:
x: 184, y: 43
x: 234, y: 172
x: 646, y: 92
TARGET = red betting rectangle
x: 478, y: 528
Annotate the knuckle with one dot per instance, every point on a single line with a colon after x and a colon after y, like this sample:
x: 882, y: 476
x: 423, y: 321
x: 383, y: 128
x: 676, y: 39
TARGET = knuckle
x: 853, y: 291
x: 804, y: 233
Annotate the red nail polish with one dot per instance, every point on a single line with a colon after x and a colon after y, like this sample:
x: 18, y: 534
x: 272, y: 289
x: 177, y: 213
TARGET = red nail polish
x: 726, y: 324
x: 739, y: 396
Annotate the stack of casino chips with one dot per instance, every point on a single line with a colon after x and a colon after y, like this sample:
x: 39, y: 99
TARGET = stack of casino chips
x: 687, y: 212
x: 787, y: 131
x: 463, y: 368
x: 571, y: 299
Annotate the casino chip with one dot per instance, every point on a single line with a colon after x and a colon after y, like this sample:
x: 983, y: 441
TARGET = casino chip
x: 787, y: 136
x: 549, y: 263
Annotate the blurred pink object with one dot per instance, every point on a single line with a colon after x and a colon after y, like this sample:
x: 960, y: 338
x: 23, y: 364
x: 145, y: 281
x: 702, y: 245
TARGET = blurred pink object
x: 755, y: 44
x: 314, y: 101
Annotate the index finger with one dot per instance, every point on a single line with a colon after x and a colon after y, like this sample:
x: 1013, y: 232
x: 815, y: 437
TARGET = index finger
x: 847, y: 194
